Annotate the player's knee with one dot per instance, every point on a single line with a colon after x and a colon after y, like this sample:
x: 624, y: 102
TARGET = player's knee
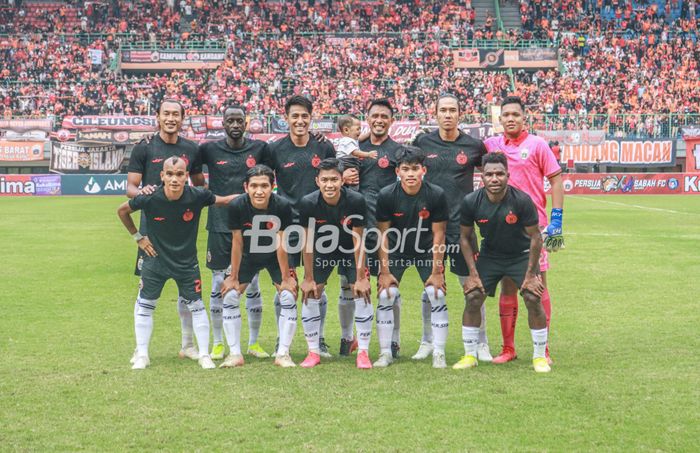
x: 145, y: 307
x: 231, y: 298
x: 474, y: 300
x: 532, y: 301
x: 388, y: 296
x: 433, y: 295
x: 195, y: 306
x: 253, y: 289
x: 217, y: 279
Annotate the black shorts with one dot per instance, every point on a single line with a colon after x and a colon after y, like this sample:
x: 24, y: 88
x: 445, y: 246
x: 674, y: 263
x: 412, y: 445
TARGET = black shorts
x: 458, y: 265
x: 249, y: 268
x: 294, y: 259
x: 140, y: 256
x: 154, y: 277
x: 399, y: 264
x: 324, y: 265
x: 219, y: 250
x: 492, y: 270
x: 373, y: 256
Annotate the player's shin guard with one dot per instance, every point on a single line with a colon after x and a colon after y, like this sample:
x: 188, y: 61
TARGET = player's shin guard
x: 483, y: 339
x: 363, y: 321
x: 439, y: 318
x: 200, y: 322
x: 185, y: 323
x: 385, y: 318
x: 346, y: 310
x: 323, y: 306
x: 470, y: 338
x: 143, y: 324
x: 232, y: 321
x: 278, y: 310
x: 426, y: 311
x: 288, y: 322
x: 396, y: 334
x: 508, y: 310
x: 216, y: 306
x: 539, y: 342
x: 254, y: 306
x: 311, y: 322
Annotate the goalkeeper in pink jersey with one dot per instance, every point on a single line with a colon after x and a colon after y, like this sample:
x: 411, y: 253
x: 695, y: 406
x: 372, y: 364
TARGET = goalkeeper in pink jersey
x: 530, y: 160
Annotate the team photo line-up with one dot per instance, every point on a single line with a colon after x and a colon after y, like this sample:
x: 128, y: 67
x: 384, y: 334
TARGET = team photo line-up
x: 367, y: 207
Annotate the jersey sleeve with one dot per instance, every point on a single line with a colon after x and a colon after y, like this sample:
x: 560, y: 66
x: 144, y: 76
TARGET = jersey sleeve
x: 206, y: 197
x: 482, y: 152
x: 441, y: 211
x: 383, y: 212
x: 528, y: 211
x: 235, y: 215
x: 266, y: 156
x: 491, y: 144
x: 285, y: 215
x: 196, y: 165
x: 139, y: 202
x: 305, y: 211
x: 466, y: 212
x: 137, y: 161
x: 328, y: 150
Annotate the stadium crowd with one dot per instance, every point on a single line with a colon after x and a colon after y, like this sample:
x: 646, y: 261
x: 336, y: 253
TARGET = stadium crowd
x: 617, y: 56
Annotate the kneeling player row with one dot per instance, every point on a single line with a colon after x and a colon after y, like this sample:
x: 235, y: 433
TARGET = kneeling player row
x: 411, y: 221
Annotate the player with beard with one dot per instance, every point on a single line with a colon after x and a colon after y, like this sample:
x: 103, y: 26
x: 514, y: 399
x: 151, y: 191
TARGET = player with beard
x: 143, y: 178
x: 375, y: 174
x: 228, y: 160
x: 530, y: 160
x: 412, y: 219
x: 334, y: 218
x: 294, y: 159
x: 510, y: 248
x: 451, y: 157
x: 172, y: 214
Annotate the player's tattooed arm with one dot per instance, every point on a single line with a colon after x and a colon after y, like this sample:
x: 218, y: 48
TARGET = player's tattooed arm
x: 133, y: 181
x: 231, y: 282
x: 385, y: 280
x: 437, y: 278
x: 289, y: 282
x: 124, y: 213
x: 473, y: 281
x: 309, y: 289
x: 533, y: 279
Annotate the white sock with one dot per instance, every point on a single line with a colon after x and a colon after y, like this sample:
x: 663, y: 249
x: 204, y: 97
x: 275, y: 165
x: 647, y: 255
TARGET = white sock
x: 483, y: 339
x: 470, y: 338
x: 539, y: 342
x: 396, y: 334
x: 346, y: 310
x: 439, y: 318
x: 426, y: 314
x: 254, y: 305
x: 288, y: 322
x: 232, y: 321
x: 185, y: 323
x: 200, y: 322
x: 278, y: 309
x: 143, y: 324
x: 385, y: 318
x: 363, y: 321
x: 216, y: 306
x: 311, y: 321
x: 323, y: 305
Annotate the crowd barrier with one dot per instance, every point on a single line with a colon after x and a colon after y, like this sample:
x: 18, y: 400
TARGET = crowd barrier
x: 574, y: 183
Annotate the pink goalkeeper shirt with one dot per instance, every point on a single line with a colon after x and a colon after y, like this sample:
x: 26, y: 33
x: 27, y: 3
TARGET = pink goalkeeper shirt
x: 529, y: 160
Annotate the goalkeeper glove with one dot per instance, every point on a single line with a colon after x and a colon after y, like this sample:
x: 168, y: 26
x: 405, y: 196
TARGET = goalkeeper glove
x: 553, y: 235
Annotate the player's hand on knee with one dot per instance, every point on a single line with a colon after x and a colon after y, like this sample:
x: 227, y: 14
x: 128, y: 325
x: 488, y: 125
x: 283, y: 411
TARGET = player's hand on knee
x: 533, y: 283
x: 362, y: 288
x: 473, y: 283
x: 385, y: 281
x: 289, y: 284
x: 309, y: 289
x: 229, y: 284
x: 147, y: 190
x: 145, y: 245
x: 437, y: 281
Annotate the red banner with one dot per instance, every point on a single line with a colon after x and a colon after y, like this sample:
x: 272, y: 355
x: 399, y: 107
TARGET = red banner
x: 21, y: 151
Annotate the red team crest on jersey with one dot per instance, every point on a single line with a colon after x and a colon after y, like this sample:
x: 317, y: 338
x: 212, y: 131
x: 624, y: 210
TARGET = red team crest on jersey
x: 424, y: 213
x: 315, y: 161
x: 461, y: 158
x: 250, y: 161
x: 511, y: 218
x: 188, y: 215
x: 383, y: 162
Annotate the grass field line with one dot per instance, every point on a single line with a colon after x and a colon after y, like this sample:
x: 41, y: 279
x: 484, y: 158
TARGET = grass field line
x: 629, y: 235
x: 630, y: 205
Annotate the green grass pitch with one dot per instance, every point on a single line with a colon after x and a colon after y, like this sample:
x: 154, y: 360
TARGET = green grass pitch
x: 624, y: 340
